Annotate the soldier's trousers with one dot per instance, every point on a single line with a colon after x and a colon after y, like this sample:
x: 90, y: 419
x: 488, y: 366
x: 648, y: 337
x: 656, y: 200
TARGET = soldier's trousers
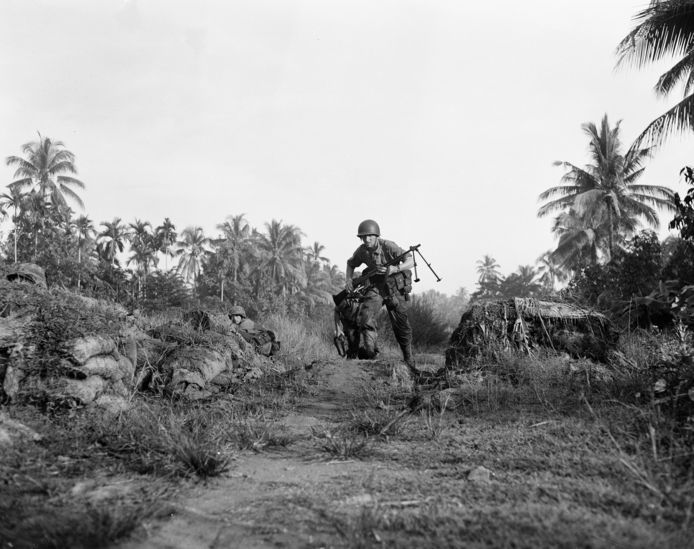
x: 367, y: 321
x: 351, y: 331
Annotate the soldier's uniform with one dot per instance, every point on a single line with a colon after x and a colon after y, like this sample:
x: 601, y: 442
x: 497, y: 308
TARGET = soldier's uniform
x: 245, y: 323
x: 347, y: 312
x: 391, y: 291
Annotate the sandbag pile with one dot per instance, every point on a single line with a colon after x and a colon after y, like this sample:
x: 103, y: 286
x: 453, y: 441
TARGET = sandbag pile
x: 200, y: 356
x: 526, y: 323
x: 58, y: 349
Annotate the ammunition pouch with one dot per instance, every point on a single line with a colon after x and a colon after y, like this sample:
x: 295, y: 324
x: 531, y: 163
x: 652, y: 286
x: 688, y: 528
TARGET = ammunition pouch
x: 399, y: 283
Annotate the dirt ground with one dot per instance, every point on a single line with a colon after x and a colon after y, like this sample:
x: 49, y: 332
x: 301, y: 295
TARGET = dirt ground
x: 479, y: 476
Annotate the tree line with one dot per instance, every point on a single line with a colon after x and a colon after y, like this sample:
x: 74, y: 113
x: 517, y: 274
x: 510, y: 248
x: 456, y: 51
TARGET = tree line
x: 601, y: 211
x: 141, y: 264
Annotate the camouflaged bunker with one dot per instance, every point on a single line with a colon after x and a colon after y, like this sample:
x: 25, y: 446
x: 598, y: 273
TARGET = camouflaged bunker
x: 526, y: 323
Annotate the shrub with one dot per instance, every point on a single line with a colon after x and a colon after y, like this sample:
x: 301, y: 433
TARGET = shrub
x: 428, y: 331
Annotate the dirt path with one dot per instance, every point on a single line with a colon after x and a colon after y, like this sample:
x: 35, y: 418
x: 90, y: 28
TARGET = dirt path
x: 489, y: 475
x: 236, y: 511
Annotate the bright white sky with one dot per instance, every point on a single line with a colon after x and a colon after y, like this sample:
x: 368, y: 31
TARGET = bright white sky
x: 439, y: 119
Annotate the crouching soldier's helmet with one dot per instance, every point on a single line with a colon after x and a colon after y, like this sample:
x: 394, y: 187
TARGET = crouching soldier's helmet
x: 237, y: 310
x: 367, y: 227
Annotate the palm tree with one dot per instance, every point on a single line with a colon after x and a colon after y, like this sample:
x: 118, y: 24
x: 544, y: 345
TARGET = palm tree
x: 665, y: 29
x: 282, y: 254
x: 165, y: 235
x: 489, y: 276
x: 318, y: 285
x: 606, y: 191
x: 35, y: 211
x: 43, y: 167
x: 236, y: 237
x: 549, y: 272
x: 85, y: 232
x: 487, y: 269
x: 112, y: 239
x: 143, y: 257
x: 14, y: 199
x: 144, y: 250
x: 335, y: 276
x: 522, y: 283
x: 580, y: 243
x: 140, y: 233
x: 314, y: 253
x: 192, y: 249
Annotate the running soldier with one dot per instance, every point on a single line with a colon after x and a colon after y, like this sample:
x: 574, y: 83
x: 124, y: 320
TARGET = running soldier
x: 390, y: 285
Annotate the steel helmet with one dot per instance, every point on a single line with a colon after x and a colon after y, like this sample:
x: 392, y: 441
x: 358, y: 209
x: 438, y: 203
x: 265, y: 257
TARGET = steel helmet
x: 237, y: 310
x: 368, y: 226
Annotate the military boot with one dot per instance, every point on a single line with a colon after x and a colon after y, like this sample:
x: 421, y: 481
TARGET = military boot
x: 408, y: 357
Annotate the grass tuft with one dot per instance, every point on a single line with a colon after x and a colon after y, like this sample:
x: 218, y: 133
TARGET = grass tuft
x: 343, y: 444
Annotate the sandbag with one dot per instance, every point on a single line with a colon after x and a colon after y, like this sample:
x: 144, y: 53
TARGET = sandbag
x: 106, y: 366
x: 84, y: 390
x: 84, y: 348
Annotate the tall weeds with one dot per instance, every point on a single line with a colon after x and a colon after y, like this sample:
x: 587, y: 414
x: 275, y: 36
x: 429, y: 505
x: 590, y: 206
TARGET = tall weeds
x: 302, y: 340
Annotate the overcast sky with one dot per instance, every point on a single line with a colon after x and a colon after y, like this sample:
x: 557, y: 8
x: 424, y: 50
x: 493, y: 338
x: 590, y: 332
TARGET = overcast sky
x: 439, y: 119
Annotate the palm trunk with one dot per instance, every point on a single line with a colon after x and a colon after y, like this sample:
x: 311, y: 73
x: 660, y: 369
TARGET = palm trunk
x: 79, y: 268
x: 221, y: 292
x: 15, y: 244
x: 610, y: 235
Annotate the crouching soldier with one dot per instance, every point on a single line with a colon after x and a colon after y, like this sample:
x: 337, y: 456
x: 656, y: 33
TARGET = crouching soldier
x: 263, y: 340
x: 390, y: 285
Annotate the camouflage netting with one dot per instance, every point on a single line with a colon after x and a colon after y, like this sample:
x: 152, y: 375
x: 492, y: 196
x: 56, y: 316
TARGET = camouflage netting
x: 526, y: 323
x: 28, y: 272
x: 58, y: 349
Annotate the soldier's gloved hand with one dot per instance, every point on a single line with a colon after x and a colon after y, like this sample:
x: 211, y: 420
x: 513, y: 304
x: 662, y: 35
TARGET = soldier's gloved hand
x: 382, y: 270
x: 349, y: 286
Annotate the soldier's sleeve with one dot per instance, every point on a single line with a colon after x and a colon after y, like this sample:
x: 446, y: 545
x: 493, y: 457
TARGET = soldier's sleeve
x: 393, y: 249
x: 356, y: 259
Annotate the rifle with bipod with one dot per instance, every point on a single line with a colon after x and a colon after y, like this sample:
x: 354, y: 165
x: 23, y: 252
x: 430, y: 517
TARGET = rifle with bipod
x: 363, y: 279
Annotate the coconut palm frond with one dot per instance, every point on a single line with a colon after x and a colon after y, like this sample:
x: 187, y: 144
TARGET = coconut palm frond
x: 665, y: 28
x: 560, y: 190
x: 59, y: 194
x: 61, y: 167
x: 680, y: 72
x: 556, y: 206
x: 67, y: 180
x: 676, y: 120
x: 21, y: 184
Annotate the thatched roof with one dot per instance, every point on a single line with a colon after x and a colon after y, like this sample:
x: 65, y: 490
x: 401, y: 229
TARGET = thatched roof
x: 529, y: 306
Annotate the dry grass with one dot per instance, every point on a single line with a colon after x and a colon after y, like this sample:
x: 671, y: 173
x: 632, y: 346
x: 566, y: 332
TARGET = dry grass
x: 576, y: 459
x: 78, y: 525
x: 153, y: 439
x: 302, y: 341
x: 342, y: 443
